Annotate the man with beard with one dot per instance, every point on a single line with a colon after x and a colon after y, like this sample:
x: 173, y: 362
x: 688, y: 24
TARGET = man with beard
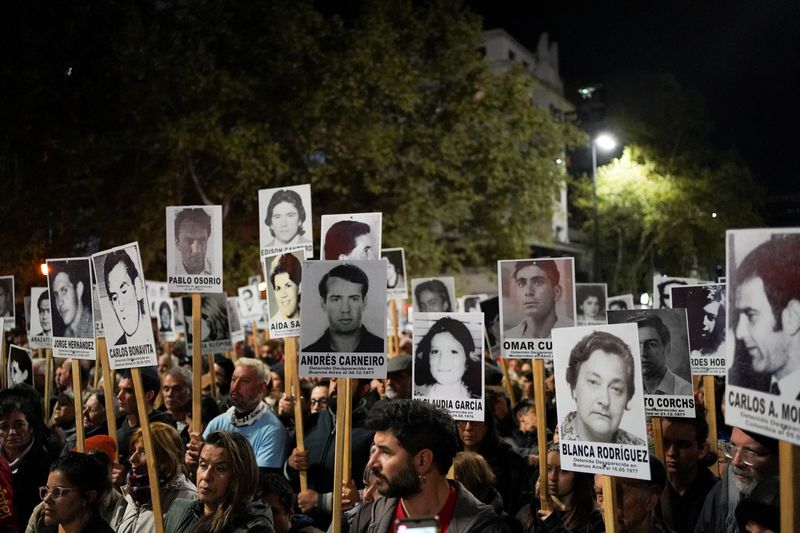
x: 249, y: 415
x: 413, y: 448
x: 753, y: 458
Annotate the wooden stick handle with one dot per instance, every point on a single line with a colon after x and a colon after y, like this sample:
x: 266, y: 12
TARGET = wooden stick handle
x: 149, y: 452
x: 78, y: 403
x: 197, y: 362
x: 293, y: 381
x: 541, y: 431
x: 254, y: 325
x: 658, y: 442
x: 213, y: 376
x: 338, y: 463
x: 108, y: 391
x: 48, y: 383
x: 609, y: 505
x: 789, y: 493
x: 711, y: 418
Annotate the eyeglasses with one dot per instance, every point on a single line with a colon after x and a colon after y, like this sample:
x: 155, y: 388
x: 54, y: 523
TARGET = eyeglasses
x: 749, y: 457
x: 321, y: 401
x: 55, y: 492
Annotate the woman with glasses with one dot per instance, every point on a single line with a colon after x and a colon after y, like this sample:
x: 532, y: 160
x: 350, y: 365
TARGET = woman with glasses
x: 72, y: 495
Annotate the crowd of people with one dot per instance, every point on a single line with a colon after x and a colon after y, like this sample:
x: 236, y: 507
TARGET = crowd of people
x: 241, y: 473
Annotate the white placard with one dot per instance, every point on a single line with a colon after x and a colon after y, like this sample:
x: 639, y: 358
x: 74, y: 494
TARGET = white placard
x: 705, y: 311
x: 215, y: 330
x: 284, y: 220
x: 434, y: 295
x: 396, y: 286
x: 69, y: 283
x: 194, y: 248
x: 41, y: 319
x: 590, y: 301
x: 165, y: 319
x: 284, y: 275
x: 352, y: 236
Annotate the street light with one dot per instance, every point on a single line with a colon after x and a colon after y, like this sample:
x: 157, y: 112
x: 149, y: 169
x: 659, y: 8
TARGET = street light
x: 605, y: 142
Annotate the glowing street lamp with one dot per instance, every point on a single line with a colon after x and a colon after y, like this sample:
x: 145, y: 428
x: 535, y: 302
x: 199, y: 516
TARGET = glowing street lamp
x: 606, y: 143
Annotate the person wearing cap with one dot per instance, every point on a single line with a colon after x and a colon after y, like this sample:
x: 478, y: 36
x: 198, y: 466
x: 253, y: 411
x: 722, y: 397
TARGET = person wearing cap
x: 398, y: 377
x: 537, y: 290
x: 753, y: 458
x: 63, y: 419
x: 637, y: 500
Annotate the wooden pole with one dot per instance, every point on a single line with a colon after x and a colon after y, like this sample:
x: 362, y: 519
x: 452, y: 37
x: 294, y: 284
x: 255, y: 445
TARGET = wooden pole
x: 78, y: 403
x: 108, y: 391
x: 541, y: 430
x: 658, y: 442
x: 149, y: 452
x: 711, y: 417
x: 789, y: 493
x: 338, y: 465
x: 197, y: 363
x: 213, y: 377
x: 292, y: 369
x: 348, y: 423
x: 395, y: 344
x: 507, y: 382
x: 3, y: 358
x: 48, y: 382
x: 609, y: 505
x: 254, y: 325
x: 96, y: 378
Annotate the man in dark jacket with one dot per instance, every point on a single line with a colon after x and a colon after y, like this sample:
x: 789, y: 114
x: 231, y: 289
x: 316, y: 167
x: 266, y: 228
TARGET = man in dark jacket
x: 413, y: 449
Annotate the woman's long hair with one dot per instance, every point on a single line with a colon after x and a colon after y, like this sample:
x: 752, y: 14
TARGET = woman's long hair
x: 472, y: 354
x: 243, y: 475
x: 168, y: 449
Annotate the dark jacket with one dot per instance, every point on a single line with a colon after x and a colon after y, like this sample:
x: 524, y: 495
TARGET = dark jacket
x: 553, y: 524
x: 469, y: 515
x: 686, y: 508
x: 252, y: 517
x: 29, y: 473
x: 511, y: 469
x: 95, y: 525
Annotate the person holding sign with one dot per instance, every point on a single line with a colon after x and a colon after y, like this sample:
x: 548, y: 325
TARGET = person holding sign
x: 447, y: 363
x: 343, y: 291
x: 601, y: 380
x: 192, y: 231
x: 126, y: 294
x: 413, y: 448
x: 537, y: 290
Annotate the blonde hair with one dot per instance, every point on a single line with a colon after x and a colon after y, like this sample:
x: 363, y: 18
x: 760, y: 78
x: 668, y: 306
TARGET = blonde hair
x: 244, y: 479
x: 472, y: 470
x: 261, y: 369
x: 167, y: 447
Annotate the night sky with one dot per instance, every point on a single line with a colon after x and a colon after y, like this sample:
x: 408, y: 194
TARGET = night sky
x: 744, y: 57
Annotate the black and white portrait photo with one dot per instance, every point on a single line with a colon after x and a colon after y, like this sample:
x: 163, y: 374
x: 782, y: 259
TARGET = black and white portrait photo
x: 194, y: 248
x: 536, y: 296
x: 448, y: 362
x: 215, y: 334
x: 99, y: 330
x: 599, y: 399
x: 284, y: 274
x: 471, y: 303
x: 763, y: 302
x: 41, y: 319
x: 395, y: 272
x: 165, y: 319
x: 234, y: 322
x: 590, y: 299
x: 620, y: 302
x: 491, y: 320
x: 434, y: 295
x: 70, y: 288
x: 666, y: 369
x: 124, y: 307
x: 705, y: 311
x: 662, y: 286
x: 250, y: 303
x: 7, y: 311
x: 285, y: 220
x: 343, y: 319
x: 156, y: 290
x: 20, y: 367
x: 351, y: 237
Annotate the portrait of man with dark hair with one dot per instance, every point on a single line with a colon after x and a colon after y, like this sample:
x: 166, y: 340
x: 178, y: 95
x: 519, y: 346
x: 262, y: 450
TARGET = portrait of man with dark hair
x: 343, y: 293
x: 124, y: 288
x: 395, y: 272
x: 249, y: 302
x: 192, y: 233
x: 536, y: 289
x: 662, y: 286
x: 285, y: 220
x: 601, y: 378
x: 6, y: 296
x: 351, y: 237
x: 705, y: 312
x: 765, y: 290
x: 70, y: 289
x: 433, y: 296
x: 43, y: 318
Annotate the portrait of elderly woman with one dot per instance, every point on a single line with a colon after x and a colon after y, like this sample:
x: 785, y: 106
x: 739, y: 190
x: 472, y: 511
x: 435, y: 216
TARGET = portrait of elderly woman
x: 285, y: 218
x: 600, y: 375
x: 447, y: 362
x: 285, y: 275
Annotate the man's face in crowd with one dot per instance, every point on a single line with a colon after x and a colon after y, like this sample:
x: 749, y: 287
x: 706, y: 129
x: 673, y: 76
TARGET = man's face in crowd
x: 219, y: 376
x: 123, y: 297
x: 527, y: 420
x: 765, y: 464
x: 344, y: 305
x: 319, y: 398
x: 601, y: 395
x: 64, y: 413
x: 126, y: 397
x: 756, y: 328
x: 364, y: 249
x: 246, y: 389
x: 681, y: 449
x: 281, y: 516
x: 94, y: 413
x: 527, y: 386
x: 636, y: 503
x: 654, y: 352
x: 392, y: 467
x: 68, y: 297
x: 535, y: 293
x: 44, y: 316
x: 176, y: 394
x: 285, y: 221
x: 590, y: 307
x: 398, y: 385
x: 192, y: 241
x: 471, y: 433
x: 64, y: 378
x: 431, y: 302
